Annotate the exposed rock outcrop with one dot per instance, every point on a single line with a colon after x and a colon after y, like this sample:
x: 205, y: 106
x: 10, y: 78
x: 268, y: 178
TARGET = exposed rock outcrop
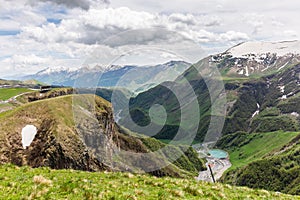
x: 79, y: 132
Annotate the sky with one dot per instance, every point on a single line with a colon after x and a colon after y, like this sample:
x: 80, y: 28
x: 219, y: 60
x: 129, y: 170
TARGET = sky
x: 37, y: 34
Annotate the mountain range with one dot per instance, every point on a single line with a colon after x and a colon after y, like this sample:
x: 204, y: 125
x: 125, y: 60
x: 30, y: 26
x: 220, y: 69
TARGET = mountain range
x: 257, y: 58
x: 244, y: 100
x: 132, y: 77
x: 262, y: 98
x: 271, y: 83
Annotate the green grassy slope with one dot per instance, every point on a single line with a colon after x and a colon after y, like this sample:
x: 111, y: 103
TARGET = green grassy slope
x: 44, y: 183
x: 279, y: 172
x: 266, y: 160
x: 7, y: 93
x: 9, y: 82
x: 246, y: 148
x: 26, y: 83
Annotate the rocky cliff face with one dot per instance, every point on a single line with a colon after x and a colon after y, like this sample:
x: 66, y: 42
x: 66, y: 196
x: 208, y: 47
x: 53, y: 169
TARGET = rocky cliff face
x: 78, y: 133
x: 56, y: 145
x: 36, y: 96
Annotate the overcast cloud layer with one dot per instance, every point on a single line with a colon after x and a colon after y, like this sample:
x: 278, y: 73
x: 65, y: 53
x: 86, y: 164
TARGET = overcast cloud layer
x: 36, y: 34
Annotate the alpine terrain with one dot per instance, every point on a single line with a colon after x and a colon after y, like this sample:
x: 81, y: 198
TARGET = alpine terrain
x: 261, y: 115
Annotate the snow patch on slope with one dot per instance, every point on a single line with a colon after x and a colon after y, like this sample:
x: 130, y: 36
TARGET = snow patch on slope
x: 282, y: 89
x: 28, y: 134
x: 257, y: 111
x: 283, y: 97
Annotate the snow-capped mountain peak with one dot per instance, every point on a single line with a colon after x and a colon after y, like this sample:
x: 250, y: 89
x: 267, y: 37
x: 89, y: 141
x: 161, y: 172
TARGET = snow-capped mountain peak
x: 52, y: 70
x: 263, y: 48
x: 258, y: 58
x: 108, y: 76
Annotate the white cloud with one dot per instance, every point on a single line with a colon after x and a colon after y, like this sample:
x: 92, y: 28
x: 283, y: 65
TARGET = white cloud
x: 51, y: 33
x: 9, y: 25
x: 195, y: 20
x: 31, y: 59
x: 84, y: 4
x: 233, y: 36
x: 171, y: 6
x: 95, y: 26
x: 183, y: 18
x: 123, y: 18
x: 87, y: 25
x: 16, y: 14
x: 255, y: 20
x: 291, y: 33
x: 23, y: 63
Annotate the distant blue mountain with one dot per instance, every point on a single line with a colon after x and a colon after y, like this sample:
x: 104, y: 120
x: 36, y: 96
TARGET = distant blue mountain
x: 134, y: 78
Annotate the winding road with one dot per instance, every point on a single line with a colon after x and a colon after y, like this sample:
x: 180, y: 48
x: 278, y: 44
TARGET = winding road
x: 219, y: 166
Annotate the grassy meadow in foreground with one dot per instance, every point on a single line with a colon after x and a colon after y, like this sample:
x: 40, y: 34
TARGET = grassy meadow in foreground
x: 44, y: 183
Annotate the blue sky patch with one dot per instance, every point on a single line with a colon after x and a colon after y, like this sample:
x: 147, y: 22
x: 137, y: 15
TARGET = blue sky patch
x: 9, y: 32
x: 54, y: 21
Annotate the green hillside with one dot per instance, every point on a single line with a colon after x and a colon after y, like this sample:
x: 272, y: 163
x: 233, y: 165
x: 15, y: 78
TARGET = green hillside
x: 9, y: 82
x: 262, y: 117
x: 263, y: 160
x: 244, y: 148
x: 7, y: 93
x: 16, y: 83
x: 63, y: 143
x: 163, y: 95
x: 45, y: 183
x: 277, y: 95
x: 279, y: 171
